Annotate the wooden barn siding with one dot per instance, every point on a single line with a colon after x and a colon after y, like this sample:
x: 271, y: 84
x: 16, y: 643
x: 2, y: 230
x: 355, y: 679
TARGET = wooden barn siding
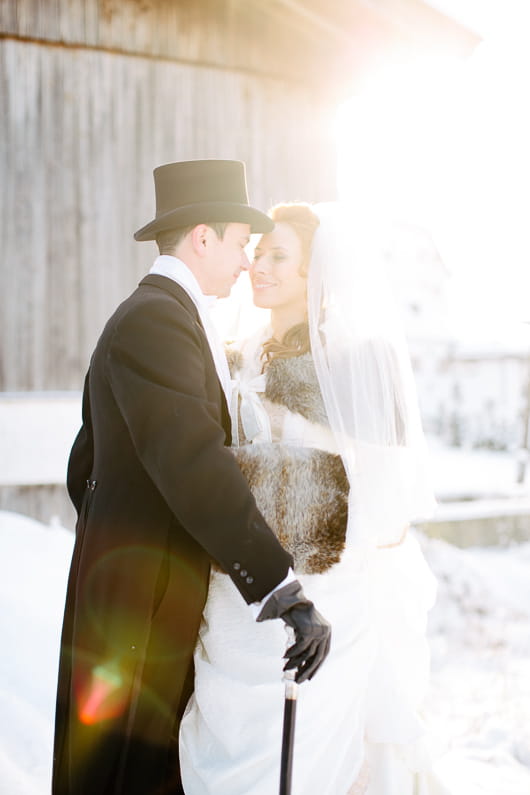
x: 82, y: 131
x: 263, y: 36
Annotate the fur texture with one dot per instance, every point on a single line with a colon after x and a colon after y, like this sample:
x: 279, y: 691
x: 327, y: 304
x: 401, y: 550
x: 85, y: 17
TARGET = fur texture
x: 234, y: 358
x: 293, y: 383
x: 303, y: 495
x: 290, y: 382
x: 301, y: 492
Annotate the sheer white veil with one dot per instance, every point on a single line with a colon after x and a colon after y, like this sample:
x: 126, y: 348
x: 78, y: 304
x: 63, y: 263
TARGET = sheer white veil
x: 364, y: 371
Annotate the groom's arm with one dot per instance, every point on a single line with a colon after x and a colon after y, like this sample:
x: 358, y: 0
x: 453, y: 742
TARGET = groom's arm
x: 159, y: 367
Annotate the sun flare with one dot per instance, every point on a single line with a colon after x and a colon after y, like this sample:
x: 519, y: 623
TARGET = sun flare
x: 443, y: 144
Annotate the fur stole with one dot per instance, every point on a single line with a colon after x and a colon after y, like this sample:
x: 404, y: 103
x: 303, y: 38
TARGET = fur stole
x: 292, y: 383
x: 302, y: 492
x: 303, y: 495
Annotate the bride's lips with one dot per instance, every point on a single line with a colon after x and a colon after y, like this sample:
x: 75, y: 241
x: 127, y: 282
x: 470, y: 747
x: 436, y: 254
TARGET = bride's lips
x: 262, y: 285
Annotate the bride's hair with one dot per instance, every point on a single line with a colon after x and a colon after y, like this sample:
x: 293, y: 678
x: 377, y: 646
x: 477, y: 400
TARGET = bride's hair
x: 304, y: 222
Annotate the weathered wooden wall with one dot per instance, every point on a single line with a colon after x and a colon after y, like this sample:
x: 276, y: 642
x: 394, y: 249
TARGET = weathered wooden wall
x: 82, y: 130
x: 304, y: 40
x: 95, y: 93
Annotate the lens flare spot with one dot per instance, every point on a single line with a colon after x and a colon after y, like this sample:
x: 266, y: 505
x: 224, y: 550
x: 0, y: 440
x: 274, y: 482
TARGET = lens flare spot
x: 104, y: 695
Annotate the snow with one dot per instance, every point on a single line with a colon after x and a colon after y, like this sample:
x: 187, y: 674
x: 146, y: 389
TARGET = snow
x: 34, y: 561
x: 479, y: 700
x: 53, y: 418
x: 478, y: 704
x: 460, y: 472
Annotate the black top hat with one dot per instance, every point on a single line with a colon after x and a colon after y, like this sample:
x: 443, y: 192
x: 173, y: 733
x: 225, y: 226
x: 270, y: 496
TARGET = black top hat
x: 199, y: 191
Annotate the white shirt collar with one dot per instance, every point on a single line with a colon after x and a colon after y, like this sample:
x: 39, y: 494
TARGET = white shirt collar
x: 177, y: 270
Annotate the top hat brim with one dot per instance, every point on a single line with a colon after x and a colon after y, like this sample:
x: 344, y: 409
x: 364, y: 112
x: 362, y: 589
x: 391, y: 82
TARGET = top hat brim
x: 204, y: 212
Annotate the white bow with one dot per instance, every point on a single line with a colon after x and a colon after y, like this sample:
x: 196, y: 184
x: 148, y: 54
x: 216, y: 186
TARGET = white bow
x: 254, y: 418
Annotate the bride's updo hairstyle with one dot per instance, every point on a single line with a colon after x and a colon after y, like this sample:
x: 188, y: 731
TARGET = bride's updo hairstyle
x: 304, y: 222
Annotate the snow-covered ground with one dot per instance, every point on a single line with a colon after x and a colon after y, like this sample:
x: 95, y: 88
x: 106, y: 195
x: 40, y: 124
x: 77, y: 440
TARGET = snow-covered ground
x: 54, y: 419
x: 478, y: 708
x: 34, y: 561
x: 459, y: 472
x: 479, y: 703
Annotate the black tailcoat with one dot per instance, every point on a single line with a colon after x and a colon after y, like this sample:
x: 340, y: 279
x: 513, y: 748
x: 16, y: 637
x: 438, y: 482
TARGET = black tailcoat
x: 158, y: 495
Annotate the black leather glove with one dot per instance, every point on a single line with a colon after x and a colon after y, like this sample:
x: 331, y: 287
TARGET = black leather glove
x: 312, y: 631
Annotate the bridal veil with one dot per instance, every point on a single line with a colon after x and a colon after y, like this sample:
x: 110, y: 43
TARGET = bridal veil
x: 364, y: 371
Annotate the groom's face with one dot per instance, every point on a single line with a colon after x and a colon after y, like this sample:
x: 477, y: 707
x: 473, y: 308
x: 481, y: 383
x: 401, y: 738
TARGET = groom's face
x: 226, y: 259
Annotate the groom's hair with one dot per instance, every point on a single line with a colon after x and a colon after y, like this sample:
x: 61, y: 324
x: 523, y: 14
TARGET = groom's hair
x: 169, y: 239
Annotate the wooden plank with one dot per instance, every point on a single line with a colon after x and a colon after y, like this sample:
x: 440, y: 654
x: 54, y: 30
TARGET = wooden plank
x: 246, y: 35
x: 8, y: 16
x: 311, y: 40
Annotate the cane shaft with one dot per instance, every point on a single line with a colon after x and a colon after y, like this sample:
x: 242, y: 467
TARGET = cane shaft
x: 289, y: 718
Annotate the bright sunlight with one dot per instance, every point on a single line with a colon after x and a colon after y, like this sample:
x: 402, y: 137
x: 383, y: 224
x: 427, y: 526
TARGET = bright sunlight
x: 444, y: 144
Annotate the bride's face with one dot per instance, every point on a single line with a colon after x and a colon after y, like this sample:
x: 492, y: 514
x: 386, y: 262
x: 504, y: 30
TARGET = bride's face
x: 275, y: 271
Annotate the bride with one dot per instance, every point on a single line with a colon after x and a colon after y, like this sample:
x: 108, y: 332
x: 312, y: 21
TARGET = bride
x: 327, y: 431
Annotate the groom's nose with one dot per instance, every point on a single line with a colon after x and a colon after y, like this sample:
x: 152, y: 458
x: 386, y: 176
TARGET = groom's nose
x: 245, y: 262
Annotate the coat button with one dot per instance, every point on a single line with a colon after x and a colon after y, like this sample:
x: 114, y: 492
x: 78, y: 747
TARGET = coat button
x: 249, y: 580
x: 243, y: 573
x: 236, y: 566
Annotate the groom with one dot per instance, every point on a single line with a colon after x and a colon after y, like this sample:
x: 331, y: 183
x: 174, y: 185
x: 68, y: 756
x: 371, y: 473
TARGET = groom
x: 159, y: 495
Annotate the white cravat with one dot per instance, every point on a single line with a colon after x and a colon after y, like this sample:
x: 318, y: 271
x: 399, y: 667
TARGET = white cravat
x: 246, y: 401
x: 178, y: 271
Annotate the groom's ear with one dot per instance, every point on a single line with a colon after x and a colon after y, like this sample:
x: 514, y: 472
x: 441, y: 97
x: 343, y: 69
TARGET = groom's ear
x: 200, y: 238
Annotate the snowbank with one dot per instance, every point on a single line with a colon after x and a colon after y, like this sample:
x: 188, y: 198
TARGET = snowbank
x: 34, y: 561
x: 479, y: 700
x: 37, y: 428
x: 460, y: 472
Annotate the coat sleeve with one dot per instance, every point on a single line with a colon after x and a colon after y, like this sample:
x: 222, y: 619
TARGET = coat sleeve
x: 156, y: 365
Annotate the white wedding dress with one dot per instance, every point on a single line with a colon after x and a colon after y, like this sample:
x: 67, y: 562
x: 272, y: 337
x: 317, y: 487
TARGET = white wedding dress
x: 357, y: 726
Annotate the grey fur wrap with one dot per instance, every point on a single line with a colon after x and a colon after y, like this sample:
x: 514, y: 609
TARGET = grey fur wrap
x: 303, y: 495
x: 302, y: 492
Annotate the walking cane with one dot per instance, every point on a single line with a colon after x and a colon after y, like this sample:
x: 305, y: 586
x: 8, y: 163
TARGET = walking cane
x: 289, y: 718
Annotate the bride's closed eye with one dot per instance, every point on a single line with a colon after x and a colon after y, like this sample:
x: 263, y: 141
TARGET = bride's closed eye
x: 277, y: 256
